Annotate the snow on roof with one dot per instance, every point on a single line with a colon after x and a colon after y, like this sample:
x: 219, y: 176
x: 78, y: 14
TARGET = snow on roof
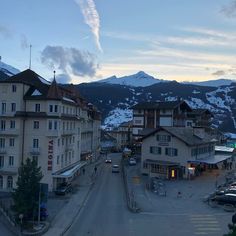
x: 68, y: 99
x: 36, y: 93
x: 223, y: 149
x: 44, y: 80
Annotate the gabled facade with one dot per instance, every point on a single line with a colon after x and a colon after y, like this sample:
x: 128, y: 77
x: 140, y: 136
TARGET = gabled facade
x: 174, y: 152
x: 150, y: 115
x: 42, y: 121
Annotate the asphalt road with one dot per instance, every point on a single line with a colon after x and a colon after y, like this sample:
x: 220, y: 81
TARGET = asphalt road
x: 105, y: 213
x: 4, y: 231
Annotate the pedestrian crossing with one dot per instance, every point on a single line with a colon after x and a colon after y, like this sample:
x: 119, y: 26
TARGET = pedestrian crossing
x: 205, y: 225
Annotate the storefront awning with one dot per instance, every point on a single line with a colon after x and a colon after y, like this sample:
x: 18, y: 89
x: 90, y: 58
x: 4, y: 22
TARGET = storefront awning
x: 70, y: 172
x: 213, y: 160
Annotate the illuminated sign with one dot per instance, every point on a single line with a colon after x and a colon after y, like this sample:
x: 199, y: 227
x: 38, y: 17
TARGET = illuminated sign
x: 50, y: 154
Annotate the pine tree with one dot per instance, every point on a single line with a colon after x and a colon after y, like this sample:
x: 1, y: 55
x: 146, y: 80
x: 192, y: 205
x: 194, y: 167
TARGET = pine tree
x: 26, y: 195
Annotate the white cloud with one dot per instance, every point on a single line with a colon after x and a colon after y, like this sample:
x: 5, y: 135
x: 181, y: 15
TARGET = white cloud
x: 91, y: 18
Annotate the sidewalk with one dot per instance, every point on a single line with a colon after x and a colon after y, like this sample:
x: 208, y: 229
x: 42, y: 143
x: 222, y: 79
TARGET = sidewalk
x: 62, y: 221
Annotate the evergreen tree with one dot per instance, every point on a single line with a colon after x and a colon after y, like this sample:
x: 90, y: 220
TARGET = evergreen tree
x: 26, y: 195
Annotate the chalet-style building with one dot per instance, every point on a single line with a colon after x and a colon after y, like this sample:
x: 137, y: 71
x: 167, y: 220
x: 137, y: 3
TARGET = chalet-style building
x: 122, y: 134
x: 148, y: 116
x: 178, y: 152
x: 49, y: 123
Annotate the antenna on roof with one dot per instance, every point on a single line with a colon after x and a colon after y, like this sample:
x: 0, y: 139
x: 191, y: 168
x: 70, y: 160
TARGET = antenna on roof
x: 30, y: 57
x: 54, y: 72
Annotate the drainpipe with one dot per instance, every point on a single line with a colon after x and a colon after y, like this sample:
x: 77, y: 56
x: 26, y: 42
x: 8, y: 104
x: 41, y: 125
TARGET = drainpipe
x: 23, y: 133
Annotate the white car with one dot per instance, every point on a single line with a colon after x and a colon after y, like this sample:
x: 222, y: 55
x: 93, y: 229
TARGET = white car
x: 132, y: 161
x: 115, y: 169
x: 108, y: 160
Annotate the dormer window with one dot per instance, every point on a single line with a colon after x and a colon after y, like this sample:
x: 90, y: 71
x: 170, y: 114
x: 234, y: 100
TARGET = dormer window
x: 37, y: 107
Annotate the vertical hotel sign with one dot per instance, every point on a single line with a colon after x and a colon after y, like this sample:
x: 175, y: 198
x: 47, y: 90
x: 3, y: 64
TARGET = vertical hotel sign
x: 50, y: 154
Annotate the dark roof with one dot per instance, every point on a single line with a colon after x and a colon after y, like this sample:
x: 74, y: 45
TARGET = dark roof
x: 54, y: 92
x: 161, y: 105
x: 184, y: 134
x: 201, y: 111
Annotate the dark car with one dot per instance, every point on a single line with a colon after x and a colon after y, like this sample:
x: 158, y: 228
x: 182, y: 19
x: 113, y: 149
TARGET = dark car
x: 228, y: 198
x: 63, y: 189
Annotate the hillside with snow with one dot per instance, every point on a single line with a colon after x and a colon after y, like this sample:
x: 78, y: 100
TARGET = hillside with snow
x: 212, y: 83
x: 140, y: 79
x: 7, y: 70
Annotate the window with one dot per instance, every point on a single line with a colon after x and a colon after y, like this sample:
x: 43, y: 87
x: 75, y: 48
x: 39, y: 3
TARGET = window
x: 171, y: 152
x: 11, y: 161
x: 4, y: 107
x: 58, y: 159
x: 1, y: 161
x: 13, y: 88
x: 37, y: 107
x: 35, y: 143
x: 56, y: 108
x: 155, y: 150
x: 13, y: 107
x: 12, y: 124
x: 163, y: 138
x: 36, y: 124
x: 2, y: 142
x: 58, y: 142
x: 3, y: 124
x: 50, y: 125
x: 50, y: 108
x: 1, y: 181
x: 11, y: 142
x: 55, y: 125
x: 9, y: 182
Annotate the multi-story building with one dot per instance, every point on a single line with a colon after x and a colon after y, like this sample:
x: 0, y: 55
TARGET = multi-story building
x: 179, y: 152
x: 43, y: 121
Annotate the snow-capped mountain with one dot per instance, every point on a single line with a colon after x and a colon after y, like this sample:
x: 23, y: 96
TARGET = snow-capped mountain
x: 7, y: 70
x: 140, y: 79
x: 212, y: 83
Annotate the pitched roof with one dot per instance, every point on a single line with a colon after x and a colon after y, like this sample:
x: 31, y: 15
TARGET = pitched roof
x: 54, y: 92
x: 160, y: 105
x: 184, y: 134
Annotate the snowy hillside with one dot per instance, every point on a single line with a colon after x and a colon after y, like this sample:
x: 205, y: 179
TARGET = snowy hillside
x: 7, y: 69
x: 212, y: 83
x: 141, y: 79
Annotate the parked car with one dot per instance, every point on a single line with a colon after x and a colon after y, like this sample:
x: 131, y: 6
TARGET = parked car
x: 115, y: 169
x: 63, y: 189
x: 228, y: 198
x: 108, y: 160
x: 132, y: 161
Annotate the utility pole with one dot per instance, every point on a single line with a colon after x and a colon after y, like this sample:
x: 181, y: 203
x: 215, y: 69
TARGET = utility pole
x: 39, y: 204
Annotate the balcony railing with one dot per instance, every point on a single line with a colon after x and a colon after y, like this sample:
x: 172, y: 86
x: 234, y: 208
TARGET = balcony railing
x: 3, y: 150
x: 8, y: 169
x: 34, y: 151
x: 53, y: 133
x: 10, y: 132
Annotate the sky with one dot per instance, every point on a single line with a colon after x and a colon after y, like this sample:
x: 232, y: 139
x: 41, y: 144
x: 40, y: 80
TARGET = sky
x: 89, y: 40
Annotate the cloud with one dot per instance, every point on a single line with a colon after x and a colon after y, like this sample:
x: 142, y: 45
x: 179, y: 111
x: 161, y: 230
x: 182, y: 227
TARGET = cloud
x: 229, y: 10
x: 219, y: 73
x: 63, y: 78
x: 91, y: 18
x: 5, y: 32
x: 69, y: 60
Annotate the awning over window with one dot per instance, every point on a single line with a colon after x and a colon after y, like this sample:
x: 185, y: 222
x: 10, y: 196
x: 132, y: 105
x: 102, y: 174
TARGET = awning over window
x: 70, y: 172
x: 162, y: 163
x: 213, y: 160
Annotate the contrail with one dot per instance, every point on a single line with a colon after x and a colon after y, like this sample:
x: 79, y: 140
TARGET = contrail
x: 91, y: 18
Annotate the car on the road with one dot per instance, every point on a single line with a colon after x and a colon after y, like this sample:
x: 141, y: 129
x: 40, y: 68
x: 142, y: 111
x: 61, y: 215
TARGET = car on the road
x: 132, y: 161
x: 63, y: 189
x: 108, y: 160
x: 115, y: 169
x: 228, y: 198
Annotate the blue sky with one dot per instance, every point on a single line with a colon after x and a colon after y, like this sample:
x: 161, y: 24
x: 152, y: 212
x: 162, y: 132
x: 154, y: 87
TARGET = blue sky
x: 87, y: 40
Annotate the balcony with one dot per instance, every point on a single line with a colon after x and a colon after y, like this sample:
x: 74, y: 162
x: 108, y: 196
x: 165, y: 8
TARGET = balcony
x: 53, y: 133
x: 35, y: 151
x: 10, y: 132
x: 69, y: 147
x: 8, y: 170
x: 3, y: 150
x: 68, y: 132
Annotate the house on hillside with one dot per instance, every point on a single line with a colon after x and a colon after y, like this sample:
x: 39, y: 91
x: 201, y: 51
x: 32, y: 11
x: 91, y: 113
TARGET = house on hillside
x: 47, y: 122
x: 178, y: 152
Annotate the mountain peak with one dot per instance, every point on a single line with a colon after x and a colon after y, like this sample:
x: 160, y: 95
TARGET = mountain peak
x: 7, y: 69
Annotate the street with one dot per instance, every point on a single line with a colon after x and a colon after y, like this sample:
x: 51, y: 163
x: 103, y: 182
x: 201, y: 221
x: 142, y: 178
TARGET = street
x: 4, y: 231
x: 105, y: 212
